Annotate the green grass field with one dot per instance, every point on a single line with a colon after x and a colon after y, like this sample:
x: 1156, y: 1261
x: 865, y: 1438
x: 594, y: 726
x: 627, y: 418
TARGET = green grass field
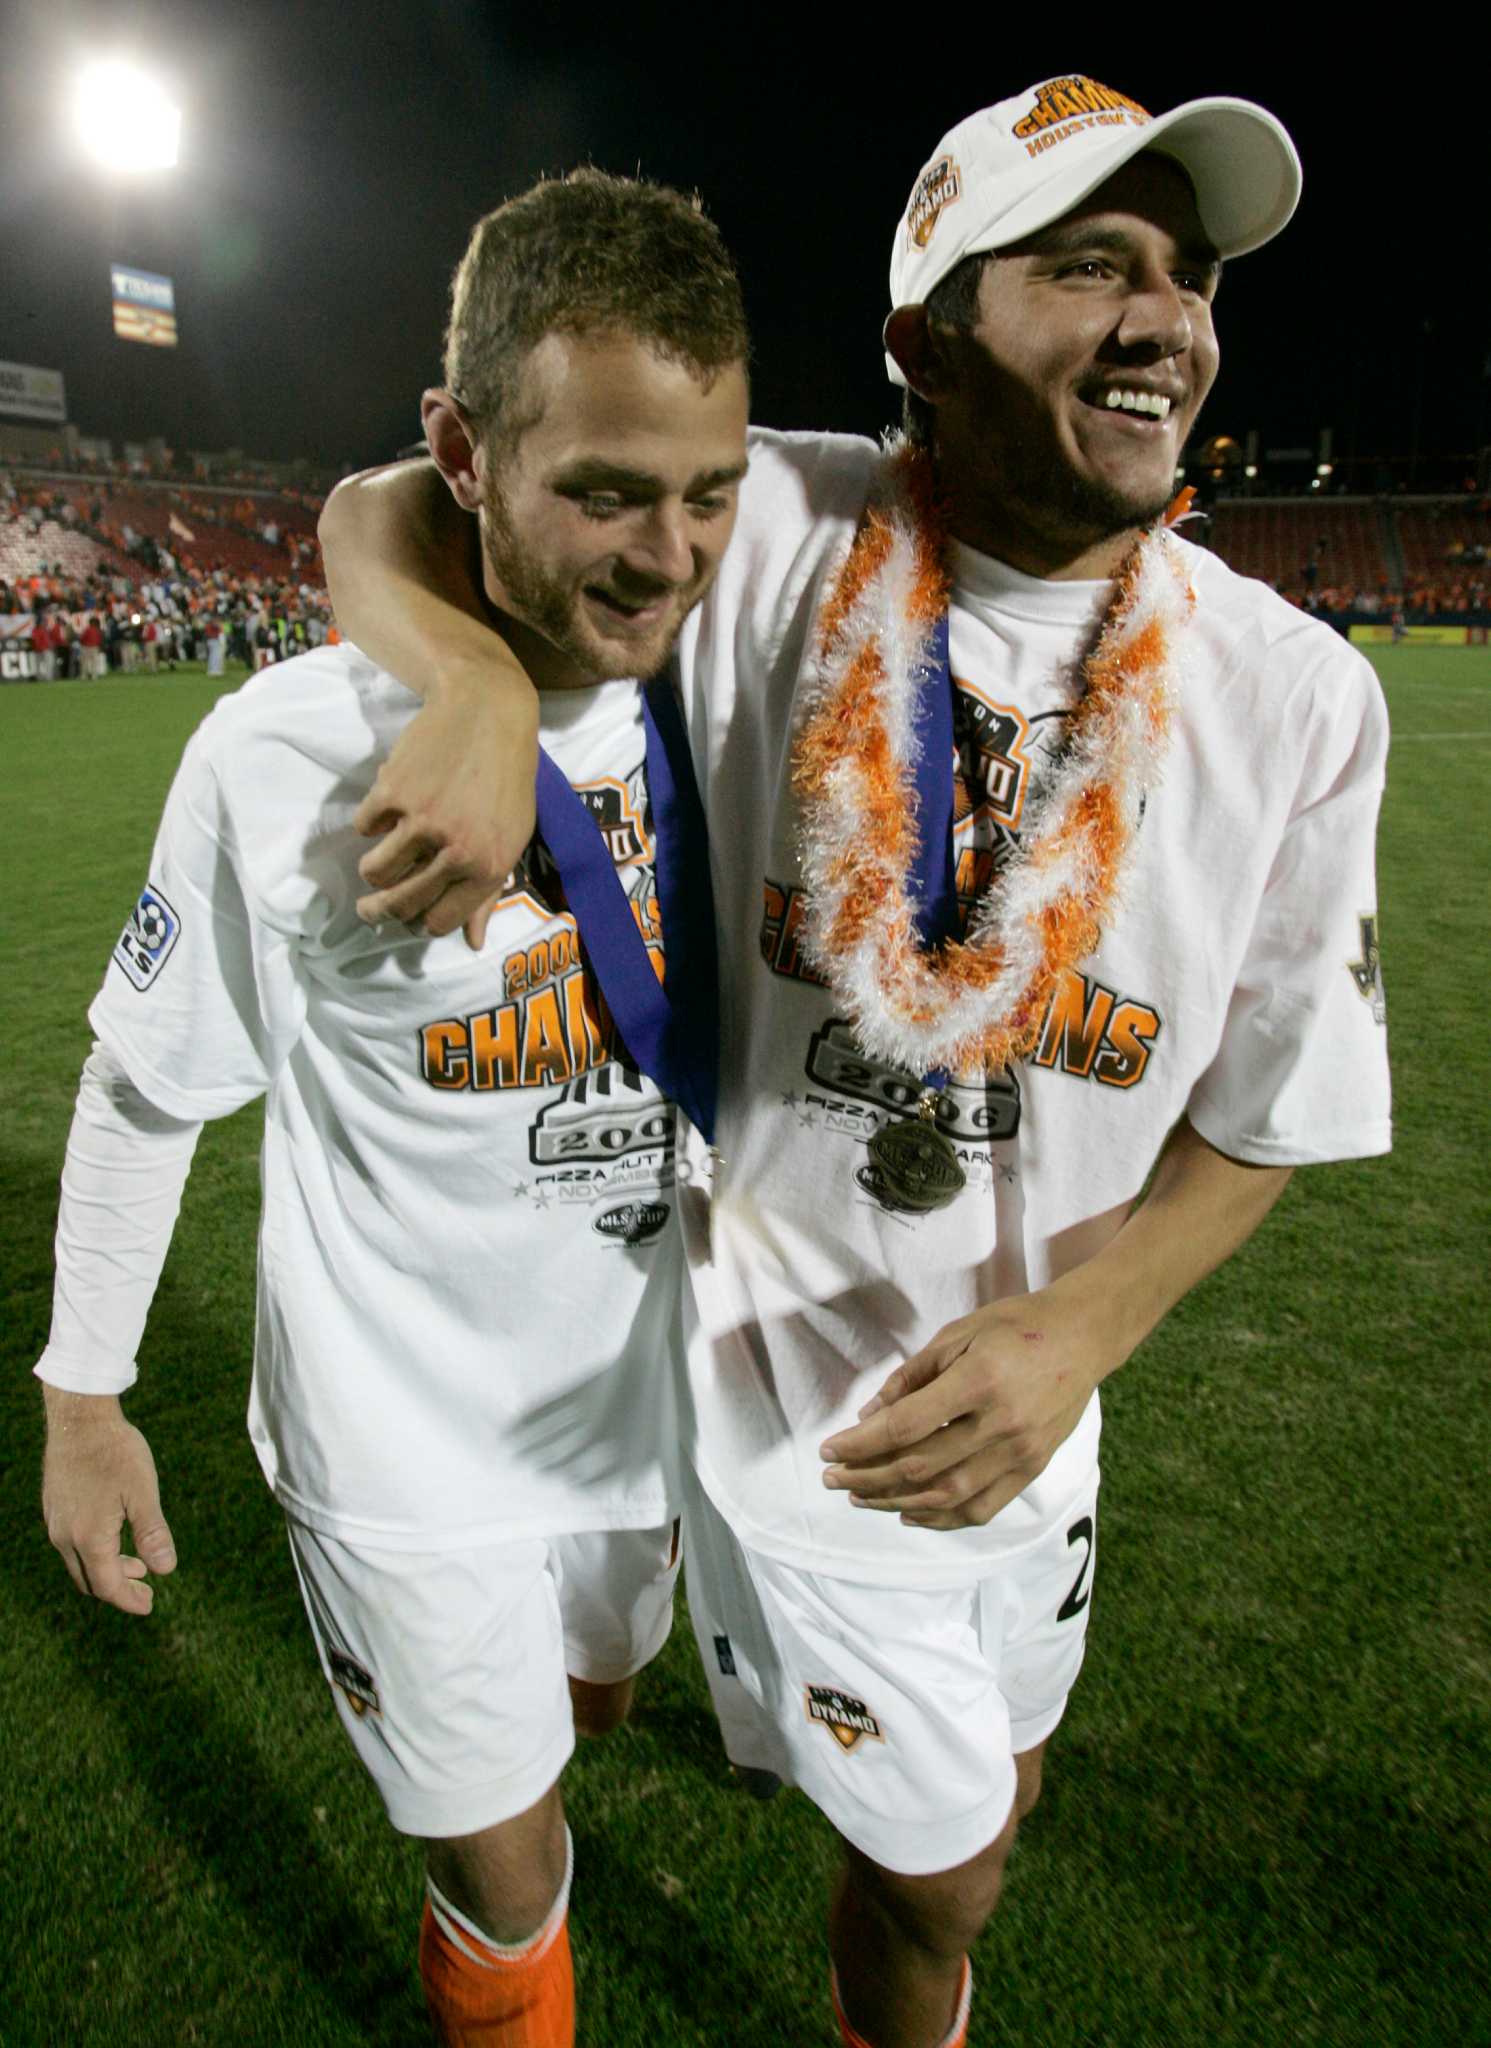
x: 1267, y: 1813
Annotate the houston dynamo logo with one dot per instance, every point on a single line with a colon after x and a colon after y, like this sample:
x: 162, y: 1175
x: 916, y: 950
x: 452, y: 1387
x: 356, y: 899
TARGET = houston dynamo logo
x: 848, y: 1720
x: 354, y: 1681
x: 936, y: 189
x: 149, y: 939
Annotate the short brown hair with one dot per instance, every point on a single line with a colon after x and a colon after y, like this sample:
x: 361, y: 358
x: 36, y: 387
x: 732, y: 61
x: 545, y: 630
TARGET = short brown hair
x: 588, y: 254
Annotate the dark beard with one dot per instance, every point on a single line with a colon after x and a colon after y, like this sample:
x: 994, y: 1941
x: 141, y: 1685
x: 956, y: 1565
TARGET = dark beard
x: 1073, y: 510
x: 1102, y: 514
x: 1026, y: 489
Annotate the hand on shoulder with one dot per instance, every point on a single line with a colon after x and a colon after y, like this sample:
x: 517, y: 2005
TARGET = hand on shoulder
x: 454, y: 802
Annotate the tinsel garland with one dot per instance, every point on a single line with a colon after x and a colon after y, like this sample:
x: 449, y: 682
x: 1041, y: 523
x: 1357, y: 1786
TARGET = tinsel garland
x: 973, y: 1005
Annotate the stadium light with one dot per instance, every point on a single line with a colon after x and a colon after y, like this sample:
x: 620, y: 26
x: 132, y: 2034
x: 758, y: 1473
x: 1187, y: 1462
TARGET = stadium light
x: 124, y: 120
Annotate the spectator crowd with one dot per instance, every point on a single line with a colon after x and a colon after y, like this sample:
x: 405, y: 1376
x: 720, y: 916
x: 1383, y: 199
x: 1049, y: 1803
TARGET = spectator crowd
x: 104, y: 574
x: 97, y: 578
x: 1420, y: 601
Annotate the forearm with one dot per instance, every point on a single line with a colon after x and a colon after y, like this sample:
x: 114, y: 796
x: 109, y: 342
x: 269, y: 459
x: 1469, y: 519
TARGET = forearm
x: 69, y: 1415
x: 1199, y: 1209
x: 454, y: 801
x: 404, y: 573
x: 126, y: 1165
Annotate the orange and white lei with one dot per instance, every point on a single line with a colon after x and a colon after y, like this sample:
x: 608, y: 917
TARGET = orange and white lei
x: 975, y: 1004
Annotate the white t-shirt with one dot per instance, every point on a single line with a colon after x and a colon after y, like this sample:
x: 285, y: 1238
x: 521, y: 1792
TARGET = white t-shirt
x: 469, y: 1257
x: 1236, y: 984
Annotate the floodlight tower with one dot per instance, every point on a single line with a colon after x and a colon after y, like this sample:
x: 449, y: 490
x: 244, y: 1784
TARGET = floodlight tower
x: 124, y: 120
x: 126, y: 126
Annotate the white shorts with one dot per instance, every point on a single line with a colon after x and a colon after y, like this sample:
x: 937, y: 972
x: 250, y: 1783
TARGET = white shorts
x: 449, y: 1670
x: 899, y: 1711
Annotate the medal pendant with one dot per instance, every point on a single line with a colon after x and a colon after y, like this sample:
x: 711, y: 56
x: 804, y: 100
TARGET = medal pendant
x: 914, y: 1162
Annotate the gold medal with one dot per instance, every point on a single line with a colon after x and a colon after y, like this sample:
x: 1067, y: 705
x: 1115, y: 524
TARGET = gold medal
x: 912, y: 1162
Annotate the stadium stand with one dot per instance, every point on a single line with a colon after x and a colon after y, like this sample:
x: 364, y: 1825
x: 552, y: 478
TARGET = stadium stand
x: 163, y: 571
x: 268, y: 537
x: 1446, y: 542
x: 1427, y: 559
x: 27, y: 551
x: 1303, y: 544
x: 180, y: 553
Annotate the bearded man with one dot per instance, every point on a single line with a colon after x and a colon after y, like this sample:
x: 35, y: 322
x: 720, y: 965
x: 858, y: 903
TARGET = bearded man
x: 1043, y: 862
x: 461, y: 1393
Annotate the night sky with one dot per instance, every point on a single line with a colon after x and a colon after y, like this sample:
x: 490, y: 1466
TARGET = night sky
x: 334, y: 158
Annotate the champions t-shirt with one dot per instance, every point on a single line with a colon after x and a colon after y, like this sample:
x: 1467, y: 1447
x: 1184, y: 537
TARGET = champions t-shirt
x: 1236, y: 983
x: 469, y: 1258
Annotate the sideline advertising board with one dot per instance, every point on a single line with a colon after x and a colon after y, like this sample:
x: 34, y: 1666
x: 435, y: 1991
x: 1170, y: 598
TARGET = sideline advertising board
x: 30, y: 393
x: 1419, y: 636
x: 17, y: 662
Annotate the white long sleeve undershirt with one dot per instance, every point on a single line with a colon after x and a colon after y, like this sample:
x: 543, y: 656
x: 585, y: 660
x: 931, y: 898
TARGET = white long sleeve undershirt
x: 126, y: 1166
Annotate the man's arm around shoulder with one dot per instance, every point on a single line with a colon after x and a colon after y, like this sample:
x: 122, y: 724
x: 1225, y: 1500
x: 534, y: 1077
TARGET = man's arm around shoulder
x: 454, y: 801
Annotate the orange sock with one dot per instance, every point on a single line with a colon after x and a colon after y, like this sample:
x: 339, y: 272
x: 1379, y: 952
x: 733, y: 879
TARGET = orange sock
x: 955, y: 2037
x: 482, y: 1995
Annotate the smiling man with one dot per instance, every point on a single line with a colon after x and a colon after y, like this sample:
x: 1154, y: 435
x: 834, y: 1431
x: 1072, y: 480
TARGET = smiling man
x: 470, y: 1263
x: 1043, y: 862
x: 1058, y: 429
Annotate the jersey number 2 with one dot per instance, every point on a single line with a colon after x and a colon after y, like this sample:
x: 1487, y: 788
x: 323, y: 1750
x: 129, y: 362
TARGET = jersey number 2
x: 1081, y: 1593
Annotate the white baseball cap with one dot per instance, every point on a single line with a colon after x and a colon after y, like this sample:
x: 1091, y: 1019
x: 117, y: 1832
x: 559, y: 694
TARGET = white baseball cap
x: 1008, y: 170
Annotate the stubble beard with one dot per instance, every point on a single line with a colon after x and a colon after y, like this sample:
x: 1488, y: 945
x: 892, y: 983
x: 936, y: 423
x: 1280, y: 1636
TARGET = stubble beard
x: 1067, y: 508
x: 1105, y: 511
x: 1100, y: 512
x: 551, y: 609
x: 1030, y: 489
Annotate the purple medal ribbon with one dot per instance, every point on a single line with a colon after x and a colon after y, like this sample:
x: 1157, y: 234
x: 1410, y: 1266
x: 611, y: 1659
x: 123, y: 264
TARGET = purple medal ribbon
x: 671, y: 1031
x: 932, y: 875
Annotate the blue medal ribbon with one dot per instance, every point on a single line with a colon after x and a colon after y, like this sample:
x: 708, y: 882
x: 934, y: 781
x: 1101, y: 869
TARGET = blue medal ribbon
x: 670, y: 1029
x: 931, y: 880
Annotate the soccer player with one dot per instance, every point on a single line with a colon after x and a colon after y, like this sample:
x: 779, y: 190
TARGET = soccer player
x: 469, y: 1259
x: 1043, y: 858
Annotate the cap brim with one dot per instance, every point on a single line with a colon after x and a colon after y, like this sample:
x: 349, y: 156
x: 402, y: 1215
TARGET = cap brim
x: 1242, y: 165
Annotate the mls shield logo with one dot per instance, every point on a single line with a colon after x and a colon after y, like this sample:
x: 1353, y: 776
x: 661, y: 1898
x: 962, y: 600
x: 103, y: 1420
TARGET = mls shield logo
x: 147, y: 941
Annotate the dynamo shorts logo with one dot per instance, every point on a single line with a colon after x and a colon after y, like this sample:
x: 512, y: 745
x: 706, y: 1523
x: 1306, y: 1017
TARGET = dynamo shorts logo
x: 146, y: 942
